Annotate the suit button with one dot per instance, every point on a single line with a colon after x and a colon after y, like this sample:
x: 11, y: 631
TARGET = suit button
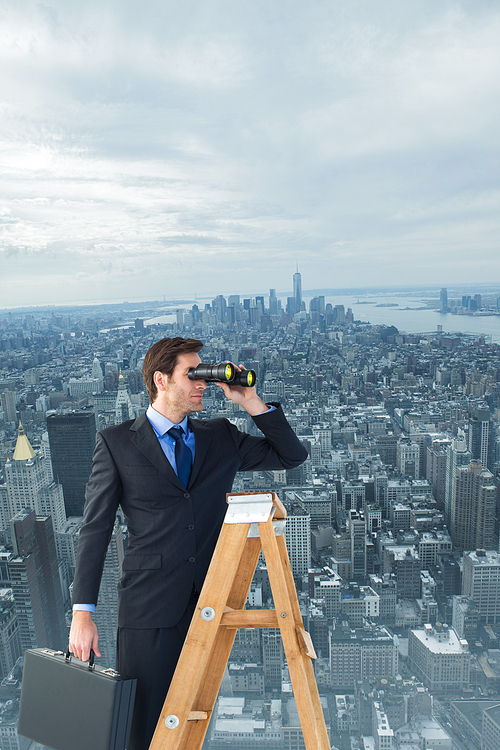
x: 192, y: 559
x: 187, y: 495
x: 191, y: 526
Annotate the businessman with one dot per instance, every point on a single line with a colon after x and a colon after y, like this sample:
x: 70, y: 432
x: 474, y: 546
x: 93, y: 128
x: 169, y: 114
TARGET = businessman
x: 170, y: 475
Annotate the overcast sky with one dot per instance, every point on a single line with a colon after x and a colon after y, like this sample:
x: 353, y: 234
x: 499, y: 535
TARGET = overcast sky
x: 171, y: 148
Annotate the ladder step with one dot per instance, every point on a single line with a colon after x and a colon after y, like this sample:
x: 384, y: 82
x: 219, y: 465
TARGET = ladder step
x: 305, y: 642
x: 199, y: 715
x: 249, y: 618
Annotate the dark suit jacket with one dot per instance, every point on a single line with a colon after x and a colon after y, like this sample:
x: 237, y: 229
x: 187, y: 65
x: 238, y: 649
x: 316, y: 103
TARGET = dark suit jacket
x: 172, y: 529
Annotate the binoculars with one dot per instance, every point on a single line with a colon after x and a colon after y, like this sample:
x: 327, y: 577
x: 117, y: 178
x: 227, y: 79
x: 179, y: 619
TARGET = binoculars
x: 224, y: 372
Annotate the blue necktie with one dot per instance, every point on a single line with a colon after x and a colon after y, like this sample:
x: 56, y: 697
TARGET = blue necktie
x: 183, y: 455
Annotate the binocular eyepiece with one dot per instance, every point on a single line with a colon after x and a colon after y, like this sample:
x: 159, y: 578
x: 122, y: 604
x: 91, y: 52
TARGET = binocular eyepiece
x: 224, y: 372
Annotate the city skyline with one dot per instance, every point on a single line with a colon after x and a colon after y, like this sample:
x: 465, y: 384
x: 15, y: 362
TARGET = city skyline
x: 178, y: 150
x: 398, y: 490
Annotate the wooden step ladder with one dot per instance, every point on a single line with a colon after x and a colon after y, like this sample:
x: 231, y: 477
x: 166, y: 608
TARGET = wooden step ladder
x: 253, y: 522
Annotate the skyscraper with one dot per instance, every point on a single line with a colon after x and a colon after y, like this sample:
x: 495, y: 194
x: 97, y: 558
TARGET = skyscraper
x: 408, y: 457
x: 481, y: 582
x: 297, y: 290
x: 436, y: 469
x: 298, y: 539
x: 273, y: 302
x: 72, y: 442
x: 25, y: 476
x: 480, y: 436
x: 443, y: 301
x: 97, y: 374
x: 357, y: 531
x: 272, y: 657
x: 10, y: 642
x: 474, y: 502
x: 30, y: 485
x: 33, y: 574
x: 8, y: 403
x: 456, y: 455
x: 124, y: 408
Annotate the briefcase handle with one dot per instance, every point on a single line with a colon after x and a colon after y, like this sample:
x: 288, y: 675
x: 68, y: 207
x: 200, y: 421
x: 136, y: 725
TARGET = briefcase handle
x: 91, y: 660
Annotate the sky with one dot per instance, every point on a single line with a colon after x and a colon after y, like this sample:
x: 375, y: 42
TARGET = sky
x: 164, y: 149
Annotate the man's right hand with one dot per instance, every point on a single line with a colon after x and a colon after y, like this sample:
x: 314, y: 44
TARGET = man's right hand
x: 83, y: 635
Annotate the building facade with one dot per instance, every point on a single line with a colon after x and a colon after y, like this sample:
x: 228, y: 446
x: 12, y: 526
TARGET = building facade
x: 439, y: 658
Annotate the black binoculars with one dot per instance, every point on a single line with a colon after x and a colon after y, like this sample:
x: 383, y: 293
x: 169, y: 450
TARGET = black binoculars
x: 224, y: 372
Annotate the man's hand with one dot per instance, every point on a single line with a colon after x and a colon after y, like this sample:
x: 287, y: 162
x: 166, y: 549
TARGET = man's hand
x: 83, y: 635
x: 246, y: 397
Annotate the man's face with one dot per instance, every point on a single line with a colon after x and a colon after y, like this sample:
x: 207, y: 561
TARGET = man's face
x: 180, y: 395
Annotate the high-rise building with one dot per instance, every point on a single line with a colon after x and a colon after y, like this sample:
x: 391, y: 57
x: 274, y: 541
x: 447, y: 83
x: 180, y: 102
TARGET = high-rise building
x: 408, y: 457
x: 381, y: 731
x: 32, y: 571
x: 124, y: 408
x: 357, y: 532
x: 50, y: 502
x: 10, y: 642
x: 491, y: 728
x: 219, y: 307
x: 439, y: 658
x: 317, y: 505
x: 386, y: 587
x: 327, y: 588
x: 298, y: 538
x: 386, y: 447
x: 297, y: 290
x: 457, y: 455
x: 405, y: 564
x: 474, y: 504
x: 436, y: 469
x: 465, y: 617
x: 29, y: 484
x: 380, y: 488
x: 339, y: 314
x: 246, y: 646
x: 273, y: 302
x: 8, y: 403
x: 259, y: 302
x: 481, y: 442
x: 272, y: 657
x: 481, y: 582
x: 362, y: 654
x: 72, y: 442
x: 97, y: 373
x: 25, y: 475
x: 443, y: 301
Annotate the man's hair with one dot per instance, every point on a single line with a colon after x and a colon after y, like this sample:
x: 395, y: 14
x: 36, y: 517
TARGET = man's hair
x: 163, y: 357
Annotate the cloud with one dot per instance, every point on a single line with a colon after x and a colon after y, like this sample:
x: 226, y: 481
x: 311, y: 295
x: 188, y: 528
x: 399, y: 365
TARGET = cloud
x: 175, y: 147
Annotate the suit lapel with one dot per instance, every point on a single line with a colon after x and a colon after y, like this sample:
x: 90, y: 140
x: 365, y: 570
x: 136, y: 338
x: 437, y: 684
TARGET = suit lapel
x: 144, y: 438
x: 202, y: 438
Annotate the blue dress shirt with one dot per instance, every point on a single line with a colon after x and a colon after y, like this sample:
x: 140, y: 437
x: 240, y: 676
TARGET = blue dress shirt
x: 161, y: 426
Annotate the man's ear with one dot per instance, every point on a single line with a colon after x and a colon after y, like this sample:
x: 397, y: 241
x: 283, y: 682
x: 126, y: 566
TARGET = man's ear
x: 160, y: 380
